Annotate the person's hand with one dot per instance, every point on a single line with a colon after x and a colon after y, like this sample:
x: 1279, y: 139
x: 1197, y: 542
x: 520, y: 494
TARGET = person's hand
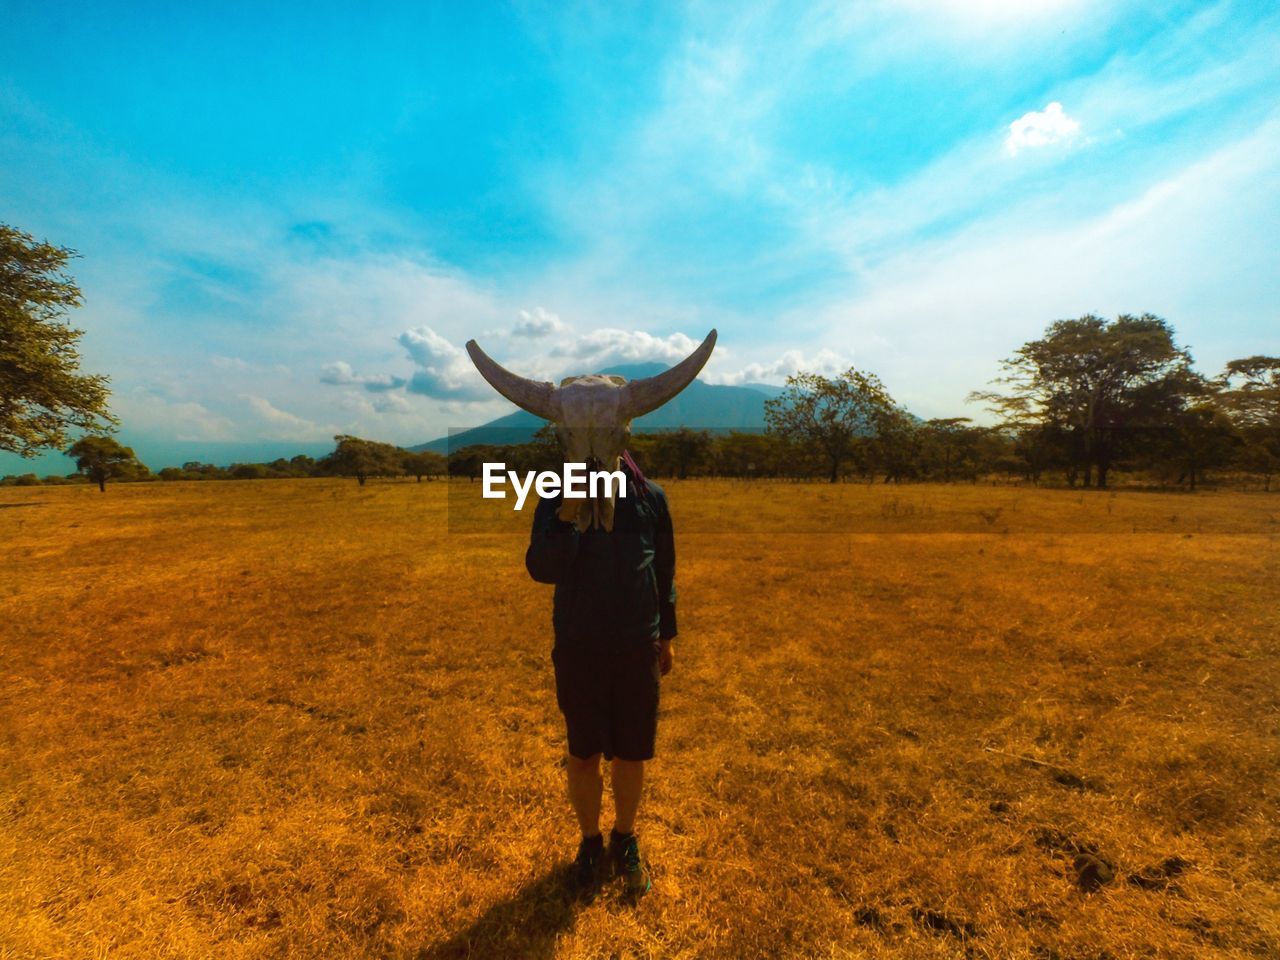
x: 666, y: 657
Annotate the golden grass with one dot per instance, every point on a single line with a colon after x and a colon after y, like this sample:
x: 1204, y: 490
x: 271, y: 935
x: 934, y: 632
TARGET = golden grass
x: 296, y: 718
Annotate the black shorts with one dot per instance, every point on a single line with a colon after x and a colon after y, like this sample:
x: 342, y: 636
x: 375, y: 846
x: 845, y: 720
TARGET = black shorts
x: 608, y: 694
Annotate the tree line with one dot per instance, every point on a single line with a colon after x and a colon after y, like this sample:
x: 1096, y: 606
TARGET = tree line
x: 1089, y: 397
x: 102, y: 458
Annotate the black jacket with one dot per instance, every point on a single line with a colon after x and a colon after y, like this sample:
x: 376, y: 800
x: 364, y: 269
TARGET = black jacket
x: 614, y: 587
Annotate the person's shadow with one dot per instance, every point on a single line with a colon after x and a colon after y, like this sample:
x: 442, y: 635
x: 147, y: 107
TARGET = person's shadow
x: 525, y: 926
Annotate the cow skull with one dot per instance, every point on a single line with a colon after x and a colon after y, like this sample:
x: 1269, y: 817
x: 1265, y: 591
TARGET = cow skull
x: 593, y: 413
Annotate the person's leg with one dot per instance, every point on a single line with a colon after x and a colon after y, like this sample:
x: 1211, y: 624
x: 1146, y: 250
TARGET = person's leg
x: 586, y: 786
x: 585, y: 789
x: 624, y: 847
x: 633, y: 727
x: 627, y: 777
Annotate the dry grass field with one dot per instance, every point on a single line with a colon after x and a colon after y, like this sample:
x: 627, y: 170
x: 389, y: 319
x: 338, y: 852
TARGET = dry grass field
x: 300, y: 719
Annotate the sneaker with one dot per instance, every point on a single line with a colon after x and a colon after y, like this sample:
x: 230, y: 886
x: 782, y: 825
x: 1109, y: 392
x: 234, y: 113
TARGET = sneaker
x: 624, y: 856
x: 587, y: 871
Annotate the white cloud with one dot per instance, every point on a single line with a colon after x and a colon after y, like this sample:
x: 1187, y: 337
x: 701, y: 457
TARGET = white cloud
x: 240, y: 365
x: 380, y: 382
x: 392, y: 403
x: 340, y: 373
x: 385, y: 403
x: 444, y: 371
x: 151, y: 411
x: 537, y: 323
x: 612, y: 345
x: 277, y: 424
x: 917, y: 296
x: 1040, y: 129
x: 934, y: 320
x: 824, y: 362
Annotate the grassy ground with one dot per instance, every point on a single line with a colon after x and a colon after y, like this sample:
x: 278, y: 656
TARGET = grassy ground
x: 297, y: 718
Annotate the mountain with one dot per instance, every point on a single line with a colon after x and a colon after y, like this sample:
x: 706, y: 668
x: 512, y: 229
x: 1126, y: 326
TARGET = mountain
x: 702, y: 406
x: 160, y: 453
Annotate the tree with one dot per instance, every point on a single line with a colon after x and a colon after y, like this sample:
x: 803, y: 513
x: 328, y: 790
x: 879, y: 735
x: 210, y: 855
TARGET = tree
x: 195, y: 470
x: 1201, y: 436
x: 362, y: 459
x: 1251, y: 398
x: 547, y: 453
x: 897, y: 447
x: 249, y: 471
x: 42, y: 394
x: 469, y: 461
x: 302, y: 465
x: 740, y: 454
x: 423, y: 464
x: 943, y: 442
x: 678, y: 452
x: 832, y: 417
x: 104, y: 458
x: 953, y: 447
x: 1095, y: 383
x: 1040, y: 446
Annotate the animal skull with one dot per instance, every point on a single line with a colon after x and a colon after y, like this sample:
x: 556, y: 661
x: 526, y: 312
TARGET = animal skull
x: 593, y: 413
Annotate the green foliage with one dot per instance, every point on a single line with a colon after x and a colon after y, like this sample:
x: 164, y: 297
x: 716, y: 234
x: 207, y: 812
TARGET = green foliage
x: 1250, y: 394
x: 468, y: 461
x: 423, y: 463
x: 278, y: 469
x: 946, y: 446
x: 249, y: 471
x: 1098, y: 388
x: 1252, y: 391
x: 104, y: 458
x: 740, y: 454
x: 195, y: 470
x: 1199, y: 437
x: 362, y: 459
x: 42, y: 392
x: 681, y: 452
x: 522, y: 457
x: 836, y: 418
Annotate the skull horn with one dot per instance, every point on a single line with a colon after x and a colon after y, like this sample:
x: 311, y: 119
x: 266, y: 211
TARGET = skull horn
x: 538, y: 398
x: 642, y: 396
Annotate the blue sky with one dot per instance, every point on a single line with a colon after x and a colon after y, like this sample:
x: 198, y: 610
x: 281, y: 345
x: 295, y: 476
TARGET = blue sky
x: 290, y: 221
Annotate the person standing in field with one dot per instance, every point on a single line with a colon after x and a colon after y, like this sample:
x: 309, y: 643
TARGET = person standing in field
x: 612, y: 559
x: 614, y: 619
